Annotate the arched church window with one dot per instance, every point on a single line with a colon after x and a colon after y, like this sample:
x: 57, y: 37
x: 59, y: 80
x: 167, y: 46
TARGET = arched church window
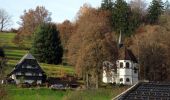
x: 121, y: 79
x: 127, y: 80
x: 121, y: 65
x: 127, y: 64
x: 135, y: 70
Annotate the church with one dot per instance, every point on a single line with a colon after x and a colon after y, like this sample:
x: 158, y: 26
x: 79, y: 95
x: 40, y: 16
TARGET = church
x: 27, y: 70
x: 124, y: 70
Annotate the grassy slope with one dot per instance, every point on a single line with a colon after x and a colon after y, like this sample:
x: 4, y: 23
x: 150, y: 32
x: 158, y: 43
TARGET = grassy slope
x: 15, y: 53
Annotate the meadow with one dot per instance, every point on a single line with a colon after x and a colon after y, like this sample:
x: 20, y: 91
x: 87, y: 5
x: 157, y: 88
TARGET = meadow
x: 17, y: 93
x: 14, y: 53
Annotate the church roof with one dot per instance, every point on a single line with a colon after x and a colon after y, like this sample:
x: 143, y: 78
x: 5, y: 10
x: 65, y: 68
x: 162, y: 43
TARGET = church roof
x: 146, y: 91
x: 127, y: 54
x: 130, y: 56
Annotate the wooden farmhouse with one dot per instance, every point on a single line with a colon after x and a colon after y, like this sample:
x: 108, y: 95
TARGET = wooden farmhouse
x: 27, y: 70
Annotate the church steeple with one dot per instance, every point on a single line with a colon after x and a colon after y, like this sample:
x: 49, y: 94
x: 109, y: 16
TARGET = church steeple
x: 120, y: 44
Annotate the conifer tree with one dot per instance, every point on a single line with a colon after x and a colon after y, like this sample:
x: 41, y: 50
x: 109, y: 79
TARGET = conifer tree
x: 154, y: 11
x: 120, y: 16
x: 47, y: 44
x: 107, y: 4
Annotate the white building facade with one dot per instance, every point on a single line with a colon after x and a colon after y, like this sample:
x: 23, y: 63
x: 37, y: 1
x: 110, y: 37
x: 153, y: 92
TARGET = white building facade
x: 124, y: 72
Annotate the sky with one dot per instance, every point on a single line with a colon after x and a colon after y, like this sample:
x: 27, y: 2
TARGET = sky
x: 60, y: 9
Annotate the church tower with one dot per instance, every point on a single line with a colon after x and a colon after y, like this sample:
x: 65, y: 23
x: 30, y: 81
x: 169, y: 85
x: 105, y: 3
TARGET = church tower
x: 127, y: 65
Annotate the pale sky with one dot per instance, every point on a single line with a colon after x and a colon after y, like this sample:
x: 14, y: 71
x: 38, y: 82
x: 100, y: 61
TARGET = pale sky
x: 60, y: 9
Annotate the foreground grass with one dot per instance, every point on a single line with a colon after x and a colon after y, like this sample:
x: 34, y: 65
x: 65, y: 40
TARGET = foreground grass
x: 15, y: 93
x: 99, y: 94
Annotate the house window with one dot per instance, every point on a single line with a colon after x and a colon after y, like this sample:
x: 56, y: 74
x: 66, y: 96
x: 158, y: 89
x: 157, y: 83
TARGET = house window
x: 121, y: 65
x: 121, y: 79
x: 127, y: 80
x: 127, y: 64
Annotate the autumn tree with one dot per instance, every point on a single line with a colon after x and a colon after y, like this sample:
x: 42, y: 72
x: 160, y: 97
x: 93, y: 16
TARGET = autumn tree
x: 5, y: 19
x: 66, y: 29
x: 139, y: 7
x: 152, y: 48
x: 32, y: 18
x: 92, y: 49
x: 47, y: 44
x: 154, y: 11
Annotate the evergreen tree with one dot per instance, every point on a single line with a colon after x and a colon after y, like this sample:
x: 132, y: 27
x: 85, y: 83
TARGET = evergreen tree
x: 107, y: 4
x: 120, y: 16
x: 47, y: 45
x: 154, y: 11
x: 124, y: 18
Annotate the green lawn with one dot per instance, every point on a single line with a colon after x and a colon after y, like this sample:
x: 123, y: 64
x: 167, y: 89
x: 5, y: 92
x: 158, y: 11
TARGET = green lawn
x: 15, y: 93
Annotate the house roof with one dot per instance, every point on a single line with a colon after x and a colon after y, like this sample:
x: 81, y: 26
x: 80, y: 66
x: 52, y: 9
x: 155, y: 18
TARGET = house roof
x: 146, y: 91
x: 26, y: 60
x: 26, y: 56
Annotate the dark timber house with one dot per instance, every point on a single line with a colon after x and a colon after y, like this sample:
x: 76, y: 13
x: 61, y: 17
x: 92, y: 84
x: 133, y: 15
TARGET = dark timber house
x: 28, y: 71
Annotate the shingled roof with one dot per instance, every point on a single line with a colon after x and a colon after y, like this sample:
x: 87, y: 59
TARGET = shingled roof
x: 27, y: 59
x: 147, y: 91
x: 26, y: 56
x: 127, y: 54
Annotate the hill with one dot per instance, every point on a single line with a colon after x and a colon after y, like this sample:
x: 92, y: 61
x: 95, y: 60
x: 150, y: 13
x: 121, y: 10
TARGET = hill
x: 14, y: 53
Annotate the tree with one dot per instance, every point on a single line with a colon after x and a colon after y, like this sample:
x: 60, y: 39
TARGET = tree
x: 154, y: 11
x: 154, y: 68
x: 66, y: 29
x: 47, y: 44
x: 139, y: 5
x: 2, y: 66
x: 32, y: 19
x: 152, y: 48
x: 5, y: 19
x: 167, y: 7
x: 107, y: 4
x: 90, y: 45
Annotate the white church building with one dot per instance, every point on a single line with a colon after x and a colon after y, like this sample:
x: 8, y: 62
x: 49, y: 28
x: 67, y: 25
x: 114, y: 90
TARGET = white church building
x: 124, y: 71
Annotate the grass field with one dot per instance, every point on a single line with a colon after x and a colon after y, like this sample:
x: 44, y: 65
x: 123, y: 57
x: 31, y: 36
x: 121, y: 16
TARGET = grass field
x: 14, y: 53
x: 16, y: 93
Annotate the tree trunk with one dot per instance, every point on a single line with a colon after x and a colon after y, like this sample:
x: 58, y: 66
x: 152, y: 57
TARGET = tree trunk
x: 87, y: 80
x: 2, y: 25
x: 97, y: 81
